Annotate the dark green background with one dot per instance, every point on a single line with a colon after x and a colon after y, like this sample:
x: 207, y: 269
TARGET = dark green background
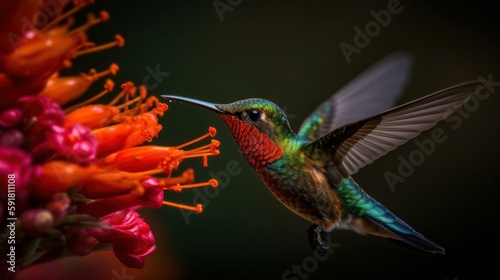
x: 288, y: 52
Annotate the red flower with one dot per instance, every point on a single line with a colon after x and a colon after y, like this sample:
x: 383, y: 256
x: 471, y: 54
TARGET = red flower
x: 10, y: 118
x: 39, y: 114
x: 130, y: 237
x: 75, y: 143
x: 80, y: 173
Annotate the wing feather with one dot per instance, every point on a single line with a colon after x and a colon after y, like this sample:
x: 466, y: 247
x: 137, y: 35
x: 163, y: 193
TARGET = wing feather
x: 356, y: 145
x: 373, y: 91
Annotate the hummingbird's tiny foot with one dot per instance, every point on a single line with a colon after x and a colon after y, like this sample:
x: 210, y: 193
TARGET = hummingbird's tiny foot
x: 316, y: 237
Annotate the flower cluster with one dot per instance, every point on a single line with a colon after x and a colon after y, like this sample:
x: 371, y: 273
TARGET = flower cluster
x: 77, y: 174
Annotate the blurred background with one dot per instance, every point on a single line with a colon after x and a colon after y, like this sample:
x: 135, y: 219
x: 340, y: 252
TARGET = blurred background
x: 288, y: 52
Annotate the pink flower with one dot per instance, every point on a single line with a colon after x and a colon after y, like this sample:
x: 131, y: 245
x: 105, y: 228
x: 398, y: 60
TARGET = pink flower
x: 11, y: 117
x: 75, y: 143
x: 45, y: 111
x: 39, y: 114
x: 12, y: 138
x: 130, y: 236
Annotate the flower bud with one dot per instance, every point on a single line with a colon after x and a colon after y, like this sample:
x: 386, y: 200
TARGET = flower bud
x: 36, y: 222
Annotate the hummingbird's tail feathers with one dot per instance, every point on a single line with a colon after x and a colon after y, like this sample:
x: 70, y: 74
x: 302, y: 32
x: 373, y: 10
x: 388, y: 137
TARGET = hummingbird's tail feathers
x: 401, y: 233
x: 367, y: 215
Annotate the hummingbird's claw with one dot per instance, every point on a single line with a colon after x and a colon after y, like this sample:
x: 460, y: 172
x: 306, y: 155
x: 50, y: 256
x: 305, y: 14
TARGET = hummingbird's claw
x: 316, y: 237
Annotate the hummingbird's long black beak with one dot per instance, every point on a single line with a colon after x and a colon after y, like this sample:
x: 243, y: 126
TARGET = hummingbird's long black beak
x: 200, y: 103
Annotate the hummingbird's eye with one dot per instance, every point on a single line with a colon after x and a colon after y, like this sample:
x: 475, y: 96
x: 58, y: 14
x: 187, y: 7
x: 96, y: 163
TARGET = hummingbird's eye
x: 254, y: 115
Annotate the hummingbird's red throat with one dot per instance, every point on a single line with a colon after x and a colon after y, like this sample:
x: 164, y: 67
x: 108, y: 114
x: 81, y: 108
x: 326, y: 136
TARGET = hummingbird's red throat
x: 256, y: 146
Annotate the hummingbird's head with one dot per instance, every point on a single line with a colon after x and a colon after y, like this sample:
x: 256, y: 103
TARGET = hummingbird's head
x: 261, y: 114
x: 259, y: 126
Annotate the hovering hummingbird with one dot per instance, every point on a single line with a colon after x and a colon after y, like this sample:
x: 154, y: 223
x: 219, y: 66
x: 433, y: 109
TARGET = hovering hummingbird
x: 310, y: 172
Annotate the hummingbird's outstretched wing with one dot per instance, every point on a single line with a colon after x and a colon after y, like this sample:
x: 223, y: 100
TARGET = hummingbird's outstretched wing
x: 373, y: 91
x: 356, y: 145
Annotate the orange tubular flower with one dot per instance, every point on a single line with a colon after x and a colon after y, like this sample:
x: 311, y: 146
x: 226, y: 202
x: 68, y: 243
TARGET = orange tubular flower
x: 64, y: 89
x: 12, y: 14
x: 132, y: 132
x: 143, y: 158
x: 80, y: 172
x: 139, y: 159
x: 39, y: 56
x: 92, y: 116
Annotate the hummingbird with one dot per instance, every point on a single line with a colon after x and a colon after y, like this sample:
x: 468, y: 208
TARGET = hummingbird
x: 310, y: 172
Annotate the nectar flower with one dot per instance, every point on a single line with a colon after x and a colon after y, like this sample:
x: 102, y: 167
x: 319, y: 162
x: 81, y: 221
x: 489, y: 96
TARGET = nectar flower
x: 81, y: 171
x: 64, y: 89
x: 130, y: 236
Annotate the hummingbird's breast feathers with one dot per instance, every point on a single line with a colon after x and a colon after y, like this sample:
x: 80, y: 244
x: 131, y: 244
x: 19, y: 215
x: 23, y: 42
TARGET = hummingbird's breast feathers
x: 256, y: 146
x: 301, y: 184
